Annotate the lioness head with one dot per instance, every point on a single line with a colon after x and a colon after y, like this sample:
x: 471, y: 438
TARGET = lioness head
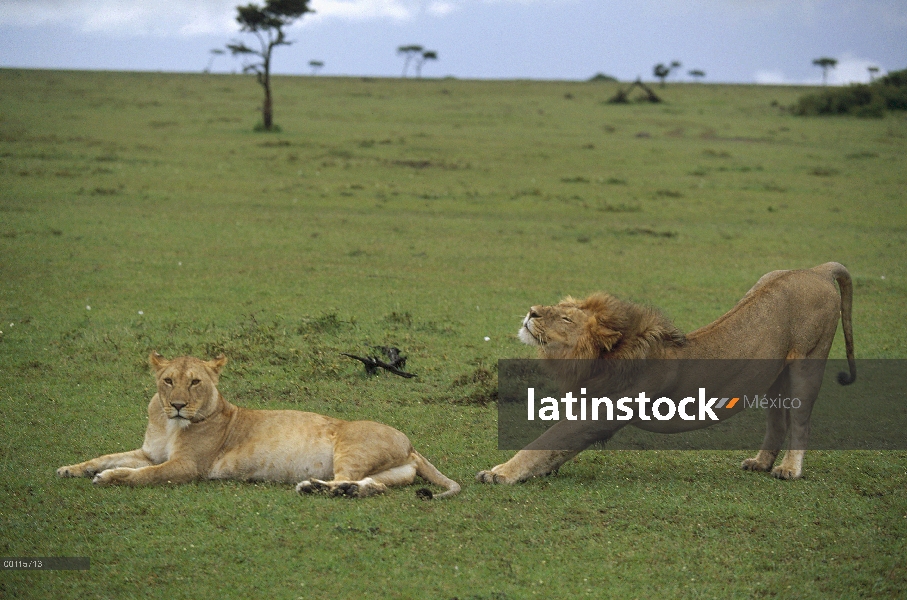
x: 597, y: 327
x: 187, y: 386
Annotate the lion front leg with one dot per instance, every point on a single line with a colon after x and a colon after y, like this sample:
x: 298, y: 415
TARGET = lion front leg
x: 167, y: 472
x: 548, y: 452
x: 775, y: 432
x: 527, y: 464
x: 134, y: 459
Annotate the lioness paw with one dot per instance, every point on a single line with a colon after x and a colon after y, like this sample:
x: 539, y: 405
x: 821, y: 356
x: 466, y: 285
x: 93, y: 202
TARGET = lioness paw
x: 311, y: 486
x: 76, y: 471
x: 368, y: 487
x: 346, y: 488
x: 68, y: 471
x: 112, y: 476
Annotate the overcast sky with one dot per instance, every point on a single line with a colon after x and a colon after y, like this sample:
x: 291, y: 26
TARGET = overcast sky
x: 742, y: 41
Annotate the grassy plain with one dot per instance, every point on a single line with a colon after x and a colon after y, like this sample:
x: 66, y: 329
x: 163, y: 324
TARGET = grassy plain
x: 428, y: 215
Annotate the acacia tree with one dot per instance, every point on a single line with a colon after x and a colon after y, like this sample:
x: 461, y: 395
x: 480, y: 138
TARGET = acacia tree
x: 409, y: 52
x: 420, y: 60
x: 214, y: 53
x: 267, y: 24
x: 662, y: 71
x: 316, y: 66
x: 825, y: 64
x: 696, y: 74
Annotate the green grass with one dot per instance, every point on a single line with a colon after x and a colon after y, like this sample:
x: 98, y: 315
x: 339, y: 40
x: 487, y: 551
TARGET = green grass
x: 428, y: 215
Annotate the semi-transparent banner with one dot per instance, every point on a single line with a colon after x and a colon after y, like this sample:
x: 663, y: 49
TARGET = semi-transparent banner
x: 700, y: 404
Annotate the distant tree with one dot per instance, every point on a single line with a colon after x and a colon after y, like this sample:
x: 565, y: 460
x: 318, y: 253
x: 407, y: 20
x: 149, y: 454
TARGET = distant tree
x: 215, y: 52
x: 420, y: 60
x: 696, y: 74
x: 825, y: 64
x: 873, y: 71
x: 267, y: 24
x: 661, y: 71
x: 409, y: 52
x: 316, y: 65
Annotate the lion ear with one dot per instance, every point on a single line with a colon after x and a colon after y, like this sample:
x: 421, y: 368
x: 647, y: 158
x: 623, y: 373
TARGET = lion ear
x: 217, y: 364
x: 157, y: 361
x: 603, y: 337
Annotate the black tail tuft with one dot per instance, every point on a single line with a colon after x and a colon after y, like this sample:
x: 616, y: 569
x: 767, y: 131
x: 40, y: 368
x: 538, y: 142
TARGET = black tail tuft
x: 424, y: 494
x: 845, y: 378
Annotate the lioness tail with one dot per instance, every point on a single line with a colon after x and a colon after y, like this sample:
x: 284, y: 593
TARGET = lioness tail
x: 429, y: 473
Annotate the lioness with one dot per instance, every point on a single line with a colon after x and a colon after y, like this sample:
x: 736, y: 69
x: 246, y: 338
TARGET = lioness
x: 194, y: 433
x: 786, y: 316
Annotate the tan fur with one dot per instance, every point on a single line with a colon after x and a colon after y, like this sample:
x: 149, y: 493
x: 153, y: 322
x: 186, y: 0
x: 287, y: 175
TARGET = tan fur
x: 787, y: 315
x: 194, y: 433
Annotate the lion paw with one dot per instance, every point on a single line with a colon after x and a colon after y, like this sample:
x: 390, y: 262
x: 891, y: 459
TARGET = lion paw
x: 112, y: 476
x: 69, y: 471
x: 491, y: 477
x: 312, y: 486
x: 346, y: 488
x: 754, y: 464
x: 76, y: 471
x: 363, y: 488
x: 782, y: 472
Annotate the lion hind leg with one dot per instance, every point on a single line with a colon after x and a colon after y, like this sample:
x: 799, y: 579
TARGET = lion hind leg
x: 805, y: 382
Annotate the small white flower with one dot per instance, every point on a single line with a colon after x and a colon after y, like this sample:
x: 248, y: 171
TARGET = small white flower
x: 141, y: 312
x: 883, y: 277
x: 180, y: 263
x: 87, y: 307
x: 487, y: 339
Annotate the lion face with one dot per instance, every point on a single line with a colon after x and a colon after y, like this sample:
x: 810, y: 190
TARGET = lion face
x: 187, y: 387
x: 567, y: 330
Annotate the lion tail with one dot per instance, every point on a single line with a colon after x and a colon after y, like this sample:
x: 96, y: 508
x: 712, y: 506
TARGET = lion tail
x: 842, y: 276
x: 431, y: 474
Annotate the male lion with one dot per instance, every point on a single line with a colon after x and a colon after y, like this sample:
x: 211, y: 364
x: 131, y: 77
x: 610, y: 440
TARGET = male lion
x: 194, y: 433
x: 787, y: 316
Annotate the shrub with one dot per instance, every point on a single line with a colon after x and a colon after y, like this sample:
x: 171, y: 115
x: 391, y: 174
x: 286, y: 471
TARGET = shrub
x: 872, y: 100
